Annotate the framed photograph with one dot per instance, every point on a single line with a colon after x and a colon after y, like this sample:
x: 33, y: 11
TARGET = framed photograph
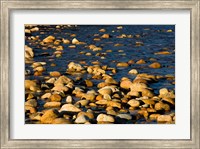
x: 100, y: 74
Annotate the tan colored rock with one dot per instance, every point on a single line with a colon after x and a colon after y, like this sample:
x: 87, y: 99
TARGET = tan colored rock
x: 59, y: 48
x: 105, y: 90
x: 60, y: 88
x: 146, y: 92
x: 55, y: 74
x: 75, y: 41
x: 133, y: 71
x: 28, y: 52
x: 164, y: 119
x: 69, y: 108
x: 111, y: 81
x: 29, y: 83
x: 105, y: 36
x: 126, y: 84
x: 49, y: 39
x: 69, y: 99
x: 52, y: 104
x: 55, y: 97
x: 154, y: 116
x: 134, y: 103
x: 88, y: 83
x: 65, y: 41
x: 75, y: 67
x: 114, y: 104
x: 48, y: 117
x: 105, y: 118
x: 155, y: 65
x: 46, y: 96
x: 102, y: 102
x: 141, y: 61
x: 162, y: 53
x: 89, y: 96
x: 122, y: 64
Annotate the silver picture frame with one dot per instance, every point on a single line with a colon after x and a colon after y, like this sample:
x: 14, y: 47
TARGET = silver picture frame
x: 7, y: 6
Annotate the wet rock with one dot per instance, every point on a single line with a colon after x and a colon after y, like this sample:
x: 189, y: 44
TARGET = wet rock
x: 164, y: 119
x: 46, y: 96
x: 148, y: 101
x: 48, y: 117
x: 105, y: 36
x: 162, y: 53
x: 55, y: 97
x: 61, y: 121
x: 141, y: 61
x: 49, y: 39
x: 102, y: 30
x: 60, y: 88
x: 105, y: 118
x: 99, y: 97
x: 55, y: 74
x: 35, y: 29
x: 75, y: 67
x: 69, y: 108
x: 75, y: 41
x: 134, y: 103
x: 52, y: 104
x: 122, y: 64
x: 155, y: 65
x: 133, y: 71
x: 138, y: 87
x: 126, y: 84
x: 111, y: 112
x: 125, y: 116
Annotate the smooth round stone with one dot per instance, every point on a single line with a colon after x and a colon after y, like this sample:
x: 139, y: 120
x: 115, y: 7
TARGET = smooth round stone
x: 111, y: 81
x: 155, y: 65
x: 55, y: 74
x: 105, y: 90
x: 114, y: 104
x: 126, y: 84
x: 122, y: 64
x: 83, y: 102
x: 134, y: 103
x: 49, y: 39
x: 52, y: 104
x: 111, y: 112
x: 29, y: 83
x: 59, y: 48
x: 133, y: 71
x: 75, y: 41
x: 69, y: 99
x: 69, y: 108
x: 125, y: 116
x: 141, y: 61
x: 88, y: 83
x: 105, y: 36
x: 105, y: 118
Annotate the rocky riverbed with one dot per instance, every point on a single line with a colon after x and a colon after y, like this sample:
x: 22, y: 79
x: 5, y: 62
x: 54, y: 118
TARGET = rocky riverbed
x: 99, y: 74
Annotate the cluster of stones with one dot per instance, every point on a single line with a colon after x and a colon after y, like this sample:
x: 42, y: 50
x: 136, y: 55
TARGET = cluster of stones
x: 110, y: 101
